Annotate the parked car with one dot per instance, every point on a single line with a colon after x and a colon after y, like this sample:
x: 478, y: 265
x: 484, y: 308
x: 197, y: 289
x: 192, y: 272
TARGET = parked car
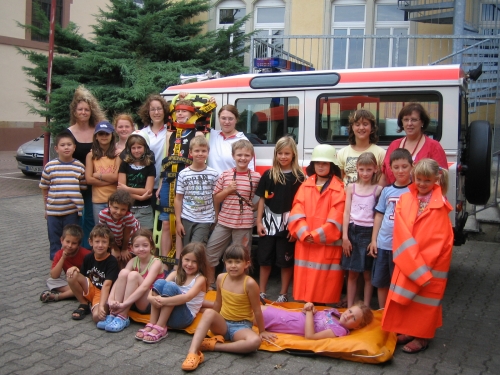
x: 30, y: 157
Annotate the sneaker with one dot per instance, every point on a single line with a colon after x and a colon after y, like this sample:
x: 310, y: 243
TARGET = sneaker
x: 282, y: 298
x: 117, y: 324
x: 103, y: 323
x: 263, y: 295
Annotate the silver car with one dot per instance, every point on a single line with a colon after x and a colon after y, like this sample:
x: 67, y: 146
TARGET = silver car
x: 30, y: 157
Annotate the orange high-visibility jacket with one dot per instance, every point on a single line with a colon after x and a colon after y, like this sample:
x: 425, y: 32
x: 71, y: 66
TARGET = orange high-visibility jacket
x: 317, y: 273
x: 422, y: 249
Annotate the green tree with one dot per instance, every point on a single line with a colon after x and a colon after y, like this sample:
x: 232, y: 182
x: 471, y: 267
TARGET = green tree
x: 136, y: 51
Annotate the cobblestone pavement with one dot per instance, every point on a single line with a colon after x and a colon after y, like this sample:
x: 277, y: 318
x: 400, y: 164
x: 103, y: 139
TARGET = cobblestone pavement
x: 38, y: 338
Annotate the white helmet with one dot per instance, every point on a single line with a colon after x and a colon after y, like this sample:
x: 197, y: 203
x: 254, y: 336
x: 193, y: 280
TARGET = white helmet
x: 142, y: 134
x: 326, y: 153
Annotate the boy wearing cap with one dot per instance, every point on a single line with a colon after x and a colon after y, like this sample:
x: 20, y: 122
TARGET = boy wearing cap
x: 60, y: 184
x: 101, y: 167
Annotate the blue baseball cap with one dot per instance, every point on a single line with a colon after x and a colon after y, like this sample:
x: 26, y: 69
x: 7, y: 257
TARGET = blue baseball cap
x: 104, y: 126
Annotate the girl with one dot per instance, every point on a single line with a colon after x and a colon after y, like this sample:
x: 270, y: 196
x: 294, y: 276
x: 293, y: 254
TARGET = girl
x: 101, y: 167
x: 422, y: 247
x: 275, y: 243
x: 133, y: 283
x: 316, y: 325
x: 137, y: 176
x: 315, y: 220
x: 176, y: 300
x: 363, y: 136
x: 124, y: 125
x: 236, y: 305
x: 357, y: 227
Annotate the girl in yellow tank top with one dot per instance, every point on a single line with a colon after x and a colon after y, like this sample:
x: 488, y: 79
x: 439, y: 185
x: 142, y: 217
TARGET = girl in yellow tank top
x: 237, y: 304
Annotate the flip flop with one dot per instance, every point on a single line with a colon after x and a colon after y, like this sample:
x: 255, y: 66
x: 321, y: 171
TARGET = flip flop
x: 416, y: 346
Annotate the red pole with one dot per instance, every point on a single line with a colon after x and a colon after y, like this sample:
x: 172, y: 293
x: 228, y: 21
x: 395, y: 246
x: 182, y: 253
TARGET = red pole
x: 46, y: 145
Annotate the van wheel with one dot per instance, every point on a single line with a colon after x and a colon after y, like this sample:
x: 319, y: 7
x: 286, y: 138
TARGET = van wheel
x: 478, y: 162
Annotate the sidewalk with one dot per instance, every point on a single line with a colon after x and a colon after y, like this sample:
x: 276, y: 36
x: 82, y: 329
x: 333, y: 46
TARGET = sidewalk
x: 38, y: 338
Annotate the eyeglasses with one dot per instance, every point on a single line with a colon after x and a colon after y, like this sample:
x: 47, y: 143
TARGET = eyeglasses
x: 412, y: 120
x: 155, y: 110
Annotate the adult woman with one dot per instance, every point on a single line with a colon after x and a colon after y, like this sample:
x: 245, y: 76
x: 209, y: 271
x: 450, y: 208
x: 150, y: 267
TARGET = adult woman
x: 124, y: 126
x: 413, y: 120
x: 85, y: 113
x: 220, y: 157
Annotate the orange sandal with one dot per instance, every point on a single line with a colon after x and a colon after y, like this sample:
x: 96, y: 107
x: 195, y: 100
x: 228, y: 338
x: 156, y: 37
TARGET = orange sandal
x: 208, y: 345
x: 192, y: 361
x: 416, y: 346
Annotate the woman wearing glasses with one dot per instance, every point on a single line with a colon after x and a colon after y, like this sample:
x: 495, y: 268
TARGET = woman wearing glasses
x: 413, y: 120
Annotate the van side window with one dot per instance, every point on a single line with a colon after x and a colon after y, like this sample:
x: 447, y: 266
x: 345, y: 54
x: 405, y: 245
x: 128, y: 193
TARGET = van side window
x: 334, y: 111
x: 265, y: 120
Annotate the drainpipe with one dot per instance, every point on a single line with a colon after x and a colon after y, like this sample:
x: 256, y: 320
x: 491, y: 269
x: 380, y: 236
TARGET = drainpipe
x: 458, y: 29
x: 46, y: 139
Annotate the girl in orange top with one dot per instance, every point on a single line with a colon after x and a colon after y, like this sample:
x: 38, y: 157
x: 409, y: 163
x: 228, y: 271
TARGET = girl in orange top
x: 422, y: 247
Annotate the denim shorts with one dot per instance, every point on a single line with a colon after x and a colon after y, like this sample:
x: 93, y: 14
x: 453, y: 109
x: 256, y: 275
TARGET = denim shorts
x: 360, y: 238
x: 233, y: 327
x: 383, y: 268
x: 181, y: 316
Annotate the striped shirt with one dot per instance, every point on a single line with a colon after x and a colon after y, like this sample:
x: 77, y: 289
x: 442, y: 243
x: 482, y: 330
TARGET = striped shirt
x: 231, y: 214
x: 117, y: 227
x: 63, y: 182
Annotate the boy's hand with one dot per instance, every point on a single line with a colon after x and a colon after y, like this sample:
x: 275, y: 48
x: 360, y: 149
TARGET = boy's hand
x: 232, y: 187
x: 72, y: 272
x: 116, y: 253
x: 101, y: 312
x: 179, y: 229
x: 125, y: 255
x: 372, y: 249
x: 261, y: 230
x: 346, y: 247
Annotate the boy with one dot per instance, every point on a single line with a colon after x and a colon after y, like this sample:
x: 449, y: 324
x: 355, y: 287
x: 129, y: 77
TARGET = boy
x: 122, y: 223
x: 60, y: 184
x: 383, y: 226
x: 194, y: 204
x: 235, y: 189
x: 71, y: 254
x: 92, y: 282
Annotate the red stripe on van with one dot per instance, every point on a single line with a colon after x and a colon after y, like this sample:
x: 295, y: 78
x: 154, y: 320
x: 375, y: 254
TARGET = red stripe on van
x: 401, y: 75
x: 235, y: 81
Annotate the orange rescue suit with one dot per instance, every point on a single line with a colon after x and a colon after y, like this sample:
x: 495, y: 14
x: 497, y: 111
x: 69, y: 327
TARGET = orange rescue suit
x: 317, y: 273
x: 422, y: 249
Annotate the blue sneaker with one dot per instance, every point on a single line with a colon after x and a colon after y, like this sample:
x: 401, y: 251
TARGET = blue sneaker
x: 103, y: 323
x: 118, y: 324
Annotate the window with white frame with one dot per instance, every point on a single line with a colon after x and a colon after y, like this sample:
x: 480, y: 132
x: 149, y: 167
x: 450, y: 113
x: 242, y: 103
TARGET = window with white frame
x: 390, y: 24
x: 269, y: 16
x: 490, y: 17
x: 228, y: 13
x: 348, y: 21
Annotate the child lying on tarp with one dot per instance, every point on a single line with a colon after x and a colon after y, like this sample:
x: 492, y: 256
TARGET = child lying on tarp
x: 316, y: 325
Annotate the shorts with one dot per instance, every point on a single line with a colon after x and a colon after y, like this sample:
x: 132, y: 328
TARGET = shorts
x: 275, y: 249
x: 93, y: 295
x: 165, y: 201
x: 233, y: 327
x: 96, y: 208
x: 57, y: 283
x: 222, y: 237
x: 383, y: 268
x: 360, y: 238
x: 195, y: 232
x: 181, y: 316
x: 144, y: 215
x: 146, y: 311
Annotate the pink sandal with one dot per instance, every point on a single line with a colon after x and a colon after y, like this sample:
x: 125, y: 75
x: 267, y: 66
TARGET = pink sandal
x: 155, y: 337
x: 143, y: 331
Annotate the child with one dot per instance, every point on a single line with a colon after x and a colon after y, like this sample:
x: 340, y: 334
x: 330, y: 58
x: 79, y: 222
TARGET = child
x: 133, y: 284
x: 101, y: 167
x: 276, y: 190
x: 422, y: 247
x: 235, y: 189
x: 236, y: 305
x: 178, y: 158
x: 357, y: 227
x: 383, y: 224
x: 122, y: 223
x: 92, y: 282
x: 316, y: 325
x: 124, y: 125
x: 363, y: 136
x: 316, y: 222
x: 137, y: 177
x: 176, y: 300
x: 60, y: 184
x: 71, y: 254
x: 194, y: 204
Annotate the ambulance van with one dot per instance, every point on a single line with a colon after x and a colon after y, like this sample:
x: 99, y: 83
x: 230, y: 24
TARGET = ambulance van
x: 314, y: 106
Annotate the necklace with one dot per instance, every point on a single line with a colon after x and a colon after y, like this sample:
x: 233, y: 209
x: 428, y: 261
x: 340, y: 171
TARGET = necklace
x: 415, y: 149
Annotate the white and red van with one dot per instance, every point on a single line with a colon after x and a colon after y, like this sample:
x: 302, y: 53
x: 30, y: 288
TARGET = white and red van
x: 314, y: 107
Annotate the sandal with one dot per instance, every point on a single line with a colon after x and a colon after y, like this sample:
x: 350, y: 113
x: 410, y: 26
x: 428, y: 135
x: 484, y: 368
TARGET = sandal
x: 118, y: 324
x: 404, y: 339
x: 192, y: 361
x: 81, y: 311
x: 416, y: 346
x: 208, y: 344
x: 155, y: 337
x: 143, y: 331
x: 49, y: 296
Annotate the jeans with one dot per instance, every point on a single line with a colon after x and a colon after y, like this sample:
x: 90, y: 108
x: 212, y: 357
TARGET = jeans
x: 181, y: 316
